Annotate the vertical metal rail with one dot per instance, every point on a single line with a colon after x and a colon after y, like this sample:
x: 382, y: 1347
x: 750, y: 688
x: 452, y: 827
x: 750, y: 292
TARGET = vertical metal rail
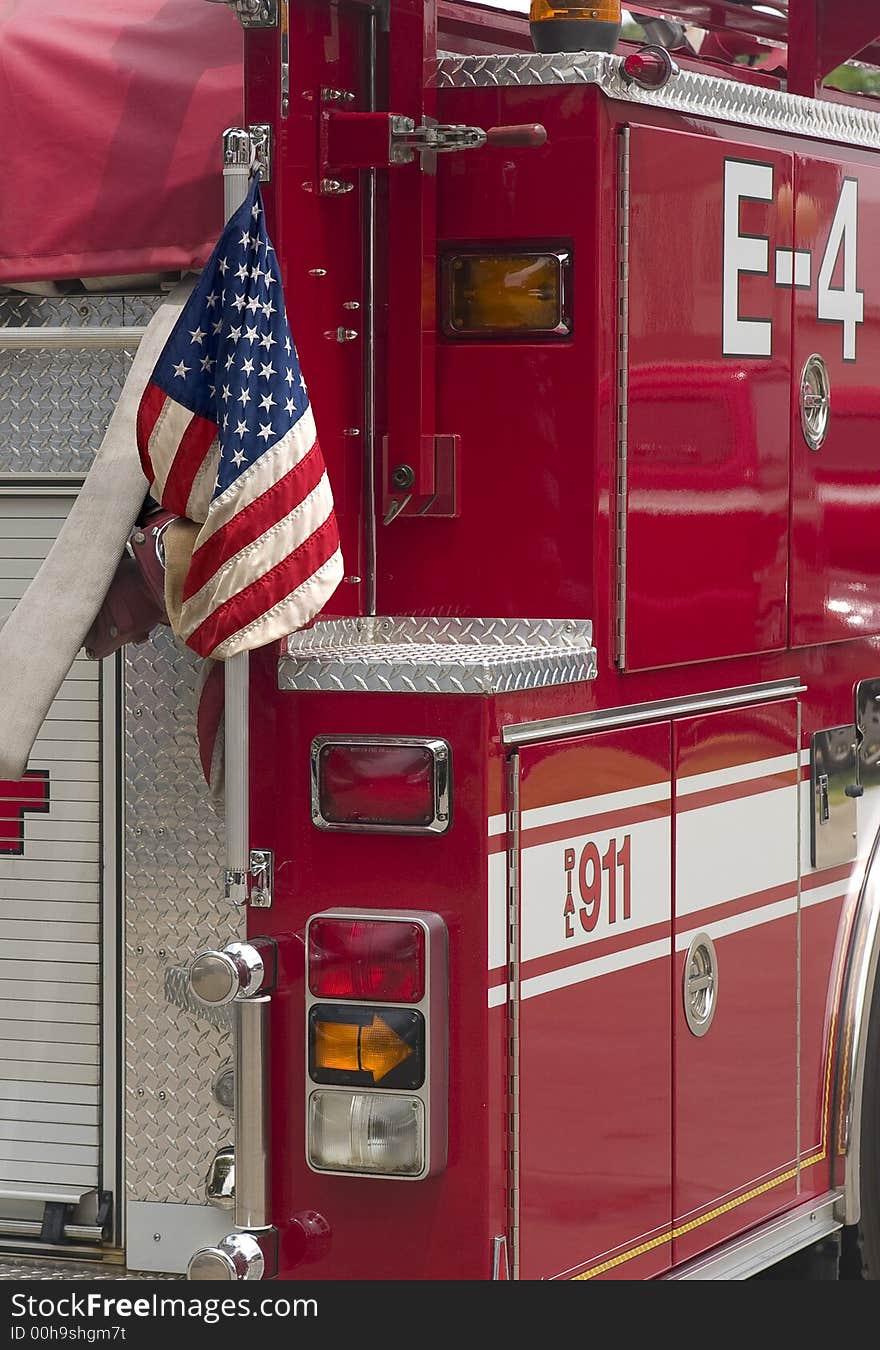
x: 513, y: 1008
x: 623, y: 207
x: 369, y: 332
x: 238, y: 159
x: 251, y: 1109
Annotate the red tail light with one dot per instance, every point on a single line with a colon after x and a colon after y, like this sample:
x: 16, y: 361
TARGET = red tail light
x: 366, y: 959
x: 380, y: 783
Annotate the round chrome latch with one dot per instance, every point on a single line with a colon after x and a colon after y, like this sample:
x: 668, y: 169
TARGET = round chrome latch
x: 815, y: 401
x: 700, y: 984
x: 219, y: 977
x: 236, y: 1257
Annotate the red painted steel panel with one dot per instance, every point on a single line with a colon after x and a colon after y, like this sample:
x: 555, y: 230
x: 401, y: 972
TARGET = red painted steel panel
x: 736, y: 879
x: 708, y: 429
x: 594, y: 1015
x: 441, y: 1228
x: 835, y: 570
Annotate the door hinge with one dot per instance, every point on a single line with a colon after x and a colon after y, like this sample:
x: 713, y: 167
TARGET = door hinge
x: 262, y: 874
x: 254, y: 13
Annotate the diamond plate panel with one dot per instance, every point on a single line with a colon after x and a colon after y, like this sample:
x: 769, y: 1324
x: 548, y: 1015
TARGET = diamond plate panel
x: 55, y: 404
x: 19, y: 1268
x: 438, y: 655
x: 174, y: 908
x: 687, y: 92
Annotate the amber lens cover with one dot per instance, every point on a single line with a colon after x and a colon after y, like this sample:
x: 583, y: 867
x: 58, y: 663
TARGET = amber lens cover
x: 506, y: 294
x: 602, y: 11
x: 366, y: 1046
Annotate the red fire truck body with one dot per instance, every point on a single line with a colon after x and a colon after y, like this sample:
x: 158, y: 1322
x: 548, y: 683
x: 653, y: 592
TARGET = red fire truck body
x: 639, y: 815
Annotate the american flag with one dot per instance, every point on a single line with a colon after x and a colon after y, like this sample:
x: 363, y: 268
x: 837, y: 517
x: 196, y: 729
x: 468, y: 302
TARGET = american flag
x: 227, y: 438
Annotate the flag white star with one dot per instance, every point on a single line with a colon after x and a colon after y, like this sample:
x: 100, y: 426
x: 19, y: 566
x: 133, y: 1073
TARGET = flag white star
x: 268, y: 279
x: 253, y: 304
x: 251, y: 334
x: 198, y: 335
x: 217, y: 483
x: 256, y: 271
x: 207, y: 363
x: 267, y: 341
x: 267, y: 402
x: 239, y: 458
x: 241, y: 429
x: 245, y: 240
x: 290, y: 407
x: 244, y: 397
x: 302, y: 383
x: 238, y: 303
x: 265, y: 430
x: 181, y: 371
x: 268, y: 309
x: 248, y: 366
x: 225, y: 421
x: 288, y: 375
x: 255, y: 211
x: 230, y: 360
x: 211, y: 300
x: 224, y: 266
x: 287, y: 344
x: 267, y: 371
x: 217, y: 327
x: 234, y: 334
x: 227, y: 393
x: 242, y: 272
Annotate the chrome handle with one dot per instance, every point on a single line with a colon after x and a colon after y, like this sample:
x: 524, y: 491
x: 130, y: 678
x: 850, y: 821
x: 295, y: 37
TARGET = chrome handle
x: 238, y: 1256
x: 237, y: 972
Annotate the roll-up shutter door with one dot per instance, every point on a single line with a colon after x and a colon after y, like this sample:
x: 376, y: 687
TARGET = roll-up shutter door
x: 50, y: 912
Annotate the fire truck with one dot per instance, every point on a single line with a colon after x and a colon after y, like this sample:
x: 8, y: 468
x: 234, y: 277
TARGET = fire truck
x: 545, y: 940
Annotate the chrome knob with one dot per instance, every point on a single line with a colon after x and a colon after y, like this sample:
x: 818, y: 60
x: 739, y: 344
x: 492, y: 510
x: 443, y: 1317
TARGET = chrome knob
x: 236, y: 1257
x: 219, y: 977
x: 220, y: 1181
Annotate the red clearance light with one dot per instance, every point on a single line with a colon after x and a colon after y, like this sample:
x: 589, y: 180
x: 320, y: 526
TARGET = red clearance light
x: 650, y: 68
x: 381, y: 784
x: 382, y: 959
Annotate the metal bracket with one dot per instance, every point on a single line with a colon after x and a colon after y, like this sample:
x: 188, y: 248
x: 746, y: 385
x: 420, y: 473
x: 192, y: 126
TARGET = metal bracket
x: 262, y: 872
x: 248, y: 149
x: 254, y: 13
x: 431, y: 138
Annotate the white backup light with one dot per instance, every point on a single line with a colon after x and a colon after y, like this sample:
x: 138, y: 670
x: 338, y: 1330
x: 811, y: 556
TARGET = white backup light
x: 366, y: 1132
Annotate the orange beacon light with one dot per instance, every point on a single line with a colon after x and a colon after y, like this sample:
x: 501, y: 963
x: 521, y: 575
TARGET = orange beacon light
x: 558, y: 26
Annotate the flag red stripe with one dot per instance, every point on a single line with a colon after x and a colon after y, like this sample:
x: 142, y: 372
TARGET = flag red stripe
x: 151, y: 404
x: 266, y: 591
x: 194, y: 445
x: 254, y: 520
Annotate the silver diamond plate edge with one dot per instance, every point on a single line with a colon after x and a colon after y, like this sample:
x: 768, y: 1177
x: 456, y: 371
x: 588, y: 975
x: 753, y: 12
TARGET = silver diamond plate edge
x: 19, y: 1268
x: 417, y: 655
x: 174, y: 908
x: 178, y: 992
x: 687, y: 92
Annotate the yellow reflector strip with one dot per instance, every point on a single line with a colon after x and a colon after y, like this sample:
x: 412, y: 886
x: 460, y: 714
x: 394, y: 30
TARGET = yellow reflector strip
x: 375, y: 1049
x: 506, y: 293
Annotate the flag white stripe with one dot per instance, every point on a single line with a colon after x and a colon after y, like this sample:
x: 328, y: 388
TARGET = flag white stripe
x: 271, y: 548
x: 291, y: 613
x: 263, y: 474
x: 170, y: 428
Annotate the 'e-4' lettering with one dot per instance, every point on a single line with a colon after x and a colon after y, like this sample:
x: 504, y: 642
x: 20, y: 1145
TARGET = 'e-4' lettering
x: 597, y: 884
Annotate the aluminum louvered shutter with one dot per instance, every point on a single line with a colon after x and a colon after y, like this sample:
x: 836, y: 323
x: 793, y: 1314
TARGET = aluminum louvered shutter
x: 50, y: 912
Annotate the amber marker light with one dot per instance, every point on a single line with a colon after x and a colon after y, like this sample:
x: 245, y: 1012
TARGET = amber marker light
x: 560, y: 27
x: 507, y: 294
x: 366, y: 1047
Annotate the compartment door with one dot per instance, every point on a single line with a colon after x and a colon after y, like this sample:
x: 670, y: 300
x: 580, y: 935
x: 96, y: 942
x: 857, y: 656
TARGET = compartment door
x: 595, y: 951
x: 53, y: 917
x: 704, y: 538
x: 737, y: 897
x: 835, y: 566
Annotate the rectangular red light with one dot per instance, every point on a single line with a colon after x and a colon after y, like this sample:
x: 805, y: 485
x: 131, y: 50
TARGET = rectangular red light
x: 381, y: 959
x: 380, y: 783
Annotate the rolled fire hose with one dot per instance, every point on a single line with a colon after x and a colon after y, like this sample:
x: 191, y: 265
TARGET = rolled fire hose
x: 40, y: 639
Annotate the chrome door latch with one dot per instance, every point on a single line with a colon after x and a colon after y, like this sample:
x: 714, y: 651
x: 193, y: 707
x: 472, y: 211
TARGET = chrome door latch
x: 408, y: 140
x: 254, y: 13
x: 262, y: 874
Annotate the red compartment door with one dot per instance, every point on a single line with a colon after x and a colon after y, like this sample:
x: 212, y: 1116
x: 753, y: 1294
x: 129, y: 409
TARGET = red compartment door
x: 595, y: 1054
x: 705, y: 547
x: 736, y: 880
